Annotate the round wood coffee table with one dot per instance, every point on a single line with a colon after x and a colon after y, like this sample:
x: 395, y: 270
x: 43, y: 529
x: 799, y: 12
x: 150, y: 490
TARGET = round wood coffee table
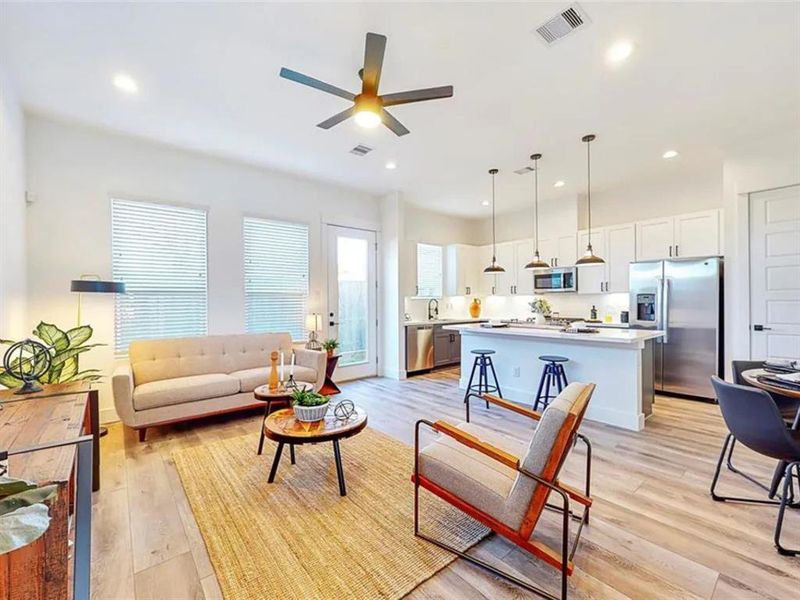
x: 280, y: 396
x: 282, y: 427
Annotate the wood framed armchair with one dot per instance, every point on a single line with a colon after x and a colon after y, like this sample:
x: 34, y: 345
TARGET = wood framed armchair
x: 504, y: 483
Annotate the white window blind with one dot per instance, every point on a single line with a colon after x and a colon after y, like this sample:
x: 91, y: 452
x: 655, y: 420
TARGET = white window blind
x: 276, y: 276
x: 160, y: 253
x: 429, y: 271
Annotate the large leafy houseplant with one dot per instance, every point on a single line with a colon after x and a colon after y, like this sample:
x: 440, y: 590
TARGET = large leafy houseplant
x: 23, y: 516
x: 65, y: 348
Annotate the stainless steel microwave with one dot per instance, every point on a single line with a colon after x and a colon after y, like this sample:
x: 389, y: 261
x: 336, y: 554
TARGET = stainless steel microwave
x: 561, y: 279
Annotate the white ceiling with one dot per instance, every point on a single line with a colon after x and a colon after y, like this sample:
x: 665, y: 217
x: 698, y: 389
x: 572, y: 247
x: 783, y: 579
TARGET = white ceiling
x: 704, y: 79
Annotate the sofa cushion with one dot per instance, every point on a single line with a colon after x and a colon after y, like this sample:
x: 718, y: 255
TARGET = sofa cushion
x: 154, y: 360
x: 250, y: 379
x: 165, y: 392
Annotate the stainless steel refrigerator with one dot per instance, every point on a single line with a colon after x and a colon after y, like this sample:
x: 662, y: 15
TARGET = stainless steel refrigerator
x: 682, y: 297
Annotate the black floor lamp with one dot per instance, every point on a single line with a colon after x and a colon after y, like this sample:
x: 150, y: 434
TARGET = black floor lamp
x: 92, y: 284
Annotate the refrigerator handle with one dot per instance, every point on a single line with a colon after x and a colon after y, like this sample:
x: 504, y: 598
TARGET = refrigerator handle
x: 665, y: 311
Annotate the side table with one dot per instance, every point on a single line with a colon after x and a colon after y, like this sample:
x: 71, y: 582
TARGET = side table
x: 329, y: 388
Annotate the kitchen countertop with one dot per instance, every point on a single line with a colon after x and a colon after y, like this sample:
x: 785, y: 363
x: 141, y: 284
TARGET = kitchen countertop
x: 605, y: 336
x: 443, y: 321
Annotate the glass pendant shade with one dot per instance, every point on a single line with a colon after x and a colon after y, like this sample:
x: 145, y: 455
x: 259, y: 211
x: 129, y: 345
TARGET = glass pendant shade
x: 494, y: 267
x: 589, y: 257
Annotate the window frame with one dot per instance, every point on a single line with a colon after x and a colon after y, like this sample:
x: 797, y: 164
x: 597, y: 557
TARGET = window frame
x: 441, y: 249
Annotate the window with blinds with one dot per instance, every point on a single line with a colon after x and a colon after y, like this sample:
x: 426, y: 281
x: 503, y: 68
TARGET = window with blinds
x: 275, y: 276
x: 160, y: 252
x: 429, y: 271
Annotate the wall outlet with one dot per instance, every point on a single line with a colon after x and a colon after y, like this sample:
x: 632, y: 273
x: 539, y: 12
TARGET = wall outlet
x: 516, y: 371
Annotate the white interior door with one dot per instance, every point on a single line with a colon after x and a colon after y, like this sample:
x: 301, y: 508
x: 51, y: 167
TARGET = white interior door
x: 352, y: 300
x: 775, y: 273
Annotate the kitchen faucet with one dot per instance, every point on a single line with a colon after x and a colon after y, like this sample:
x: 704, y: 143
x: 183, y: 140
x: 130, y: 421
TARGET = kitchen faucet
x: 433, y: 313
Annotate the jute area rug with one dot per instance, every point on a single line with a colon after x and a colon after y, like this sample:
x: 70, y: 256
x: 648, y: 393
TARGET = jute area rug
x: 297, y: 538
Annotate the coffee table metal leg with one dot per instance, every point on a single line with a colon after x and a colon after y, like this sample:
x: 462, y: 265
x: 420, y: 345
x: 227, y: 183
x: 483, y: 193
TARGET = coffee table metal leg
x: 275, y: 462
x: 339, y: 471
x: 263, y: 422
x: 291, y: 452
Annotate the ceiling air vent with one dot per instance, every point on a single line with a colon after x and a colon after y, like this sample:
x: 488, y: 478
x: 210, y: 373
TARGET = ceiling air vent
x: 361, y: 150
x: 562, y: 24
x: 524, y: 170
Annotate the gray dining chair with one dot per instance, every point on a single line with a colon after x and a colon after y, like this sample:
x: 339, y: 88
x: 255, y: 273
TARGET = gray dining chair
x: 753, y: 419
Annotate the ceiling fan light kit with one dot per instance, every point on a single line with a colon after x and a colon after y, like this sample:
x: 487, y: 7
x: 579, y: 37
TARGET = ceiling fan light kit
x: 589, y: 257
x: 537, y: 262
x: 369, y: 108
x: 494, y: 267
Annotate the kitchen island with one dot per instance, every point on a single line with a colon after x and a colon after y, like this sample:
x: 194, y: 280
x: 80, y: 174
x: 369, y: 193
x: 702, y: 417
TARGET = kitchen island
x: 618, y: 361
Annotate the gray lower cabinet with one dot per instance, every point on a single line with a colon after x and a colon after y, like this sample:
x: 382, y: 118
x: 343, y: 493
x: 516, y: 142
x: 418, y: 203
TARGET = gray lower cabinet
x: 446, y: 347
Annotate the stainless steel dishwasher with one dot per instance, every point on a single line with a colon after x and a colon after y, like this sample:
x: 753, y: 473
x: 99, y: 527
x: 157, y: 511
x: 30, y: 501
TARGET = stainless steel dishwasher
x: 419, y: 348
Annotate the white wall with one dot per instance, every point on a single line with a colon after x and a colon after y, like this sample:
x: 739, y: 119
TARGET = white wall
x: 75, y: 171
x: 765, y: 164
x: 556, y: 216
x: 13, y: 323
x: 391, y: 360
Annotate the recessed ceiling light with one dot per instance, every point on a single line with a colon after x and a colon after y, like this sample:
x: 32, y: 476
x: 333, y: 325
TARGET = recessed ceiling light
x: 391, y: 165
x: 559, y: 183
x: 125, y: 83
x: 619, y: 51
x: 485, y: 203
x: 670, y: 154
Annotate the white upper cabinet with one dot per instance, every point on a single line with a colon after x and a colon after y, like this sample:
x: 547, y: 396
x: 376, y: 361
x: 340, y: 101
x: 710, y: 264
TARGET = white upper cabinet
x: 566, y: 255
x: 461, y: 270
x: 688, y: 235
x: 654, y: 239
x: 548, y: 250
x: 697, y: 234
x: 620, y: 253
x: 505, y: 282
x: 523, y: 253
x: 408, y: 275
x: 484, y: 283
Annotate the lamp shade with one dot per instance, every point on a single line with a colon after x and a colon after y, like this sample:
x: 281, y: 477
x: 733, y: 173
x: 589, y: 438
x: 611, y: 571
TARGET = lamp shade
x: 313, y: 322
x: 93, y: 286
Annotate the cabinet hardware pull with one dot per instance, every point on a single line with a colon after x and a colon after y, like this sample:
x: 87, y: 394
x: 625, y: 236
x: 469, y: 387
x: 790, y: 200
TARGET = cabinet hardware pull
x: 469, y: 291
x: 670, y: 250
x: 676, y: 249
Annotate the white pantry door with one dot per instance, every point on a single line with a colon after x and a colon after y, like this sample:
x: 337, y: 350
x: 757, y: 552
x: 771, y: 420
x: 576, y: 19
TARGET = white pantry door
x: 352, y: 300
x: 775, y: 273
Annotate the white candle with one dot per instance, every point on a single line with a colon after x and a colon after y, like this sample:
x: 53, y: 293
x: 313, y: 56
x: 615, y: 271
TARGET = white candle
x: 281, y: 366
x: 291, y: 368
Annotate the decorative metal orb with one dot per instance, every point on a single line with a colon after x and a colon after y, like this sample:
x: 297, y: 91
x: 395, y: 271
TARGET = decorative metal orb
x: 27, y: 360
x: 344, y: 409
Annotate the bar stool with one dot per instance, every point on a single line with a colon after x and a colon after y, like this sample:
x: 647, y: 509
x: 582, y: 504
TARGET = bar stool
x: 483, y: 362
x: 553, y: 374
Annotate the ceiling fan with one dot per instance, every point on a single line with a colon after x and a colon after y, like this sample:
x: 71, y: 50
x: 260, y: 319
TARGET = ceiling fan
x: 369, y: 109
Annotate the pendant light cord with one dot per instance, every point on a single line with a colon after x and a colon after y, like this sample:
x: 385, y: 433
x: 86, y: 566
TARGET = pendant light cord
x: 494, y: 240
x: 589, y: 187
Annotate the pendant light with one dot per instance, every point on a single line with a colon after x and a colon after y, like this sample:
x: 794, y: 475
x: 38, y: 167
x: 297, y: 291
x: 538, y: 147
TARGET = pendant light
x: 494, y: 267
x: 589, y: 257
x: 537, y: 262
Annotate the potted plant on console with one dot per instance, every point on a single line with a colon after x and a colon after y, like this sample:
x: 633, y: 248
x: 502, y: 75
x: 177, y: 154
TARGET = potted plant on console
x: 309, y: 406
x: 330, y: 345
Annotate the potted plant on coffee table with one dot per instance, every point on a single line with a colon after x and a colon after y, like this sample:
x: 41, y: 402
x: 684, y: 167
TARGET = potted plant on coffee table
x: 330, y: 345
x: 309, y: 406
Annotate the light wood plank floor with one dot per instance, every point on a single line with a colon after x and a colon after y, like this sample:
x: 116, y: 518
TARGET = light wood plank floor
x: 655, y: 533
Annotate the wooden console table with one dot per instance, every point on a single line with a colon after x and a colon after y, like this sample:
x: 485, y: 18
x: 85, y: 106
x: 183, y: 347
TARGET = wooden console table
x: 42, y: 570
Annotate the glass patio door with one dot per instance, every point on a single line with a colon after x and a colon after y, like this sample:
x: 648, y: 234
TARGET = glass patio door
x: 352, y: 300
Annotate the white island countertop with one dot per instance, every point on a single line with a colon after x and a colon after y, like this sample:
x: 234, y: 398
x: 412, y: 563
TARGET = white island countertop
x: 603, y: 336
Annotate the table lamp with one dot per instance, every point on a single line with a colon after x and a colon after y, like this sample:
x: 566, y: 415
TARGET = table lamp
x: 313, y: 324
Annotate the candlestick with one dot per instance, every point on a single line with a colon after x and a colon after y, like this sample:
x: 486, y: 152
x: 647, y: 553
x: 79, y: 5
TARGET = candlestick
x: 282, y: 366
x: 291, y: 368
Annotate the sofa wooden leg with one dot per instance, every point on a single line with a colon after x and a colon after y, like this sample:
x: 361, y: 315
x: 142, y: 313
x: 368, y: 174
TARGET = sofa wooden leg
x: 142, y: 433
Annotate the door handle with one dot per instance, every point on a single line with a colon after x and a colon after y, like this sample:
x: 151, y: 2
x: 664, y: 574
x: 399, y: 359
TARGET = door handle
x: 666, y: 311
x: 761, y: 328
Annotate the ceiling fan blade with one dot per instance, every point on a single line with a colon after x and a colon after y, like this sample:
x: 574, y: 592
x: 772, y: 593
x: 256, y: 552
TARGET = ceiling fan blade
x: 445, y: 91
x: 337, y: 118
x: 316, y: 83
x: 373, y: 63
x: 396, y: 126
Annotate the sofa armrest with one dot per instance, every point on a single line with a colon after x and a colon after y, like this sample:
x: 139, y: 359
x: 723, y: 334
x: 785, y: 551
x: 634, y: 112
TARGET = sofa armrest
x: 122, y: 387
x: 313, y: 359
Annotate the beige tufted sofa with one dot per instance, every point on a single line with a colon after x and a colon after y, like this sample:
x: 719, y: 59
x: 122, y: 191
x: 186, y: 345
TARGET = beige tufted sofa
x: 173, y: 380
